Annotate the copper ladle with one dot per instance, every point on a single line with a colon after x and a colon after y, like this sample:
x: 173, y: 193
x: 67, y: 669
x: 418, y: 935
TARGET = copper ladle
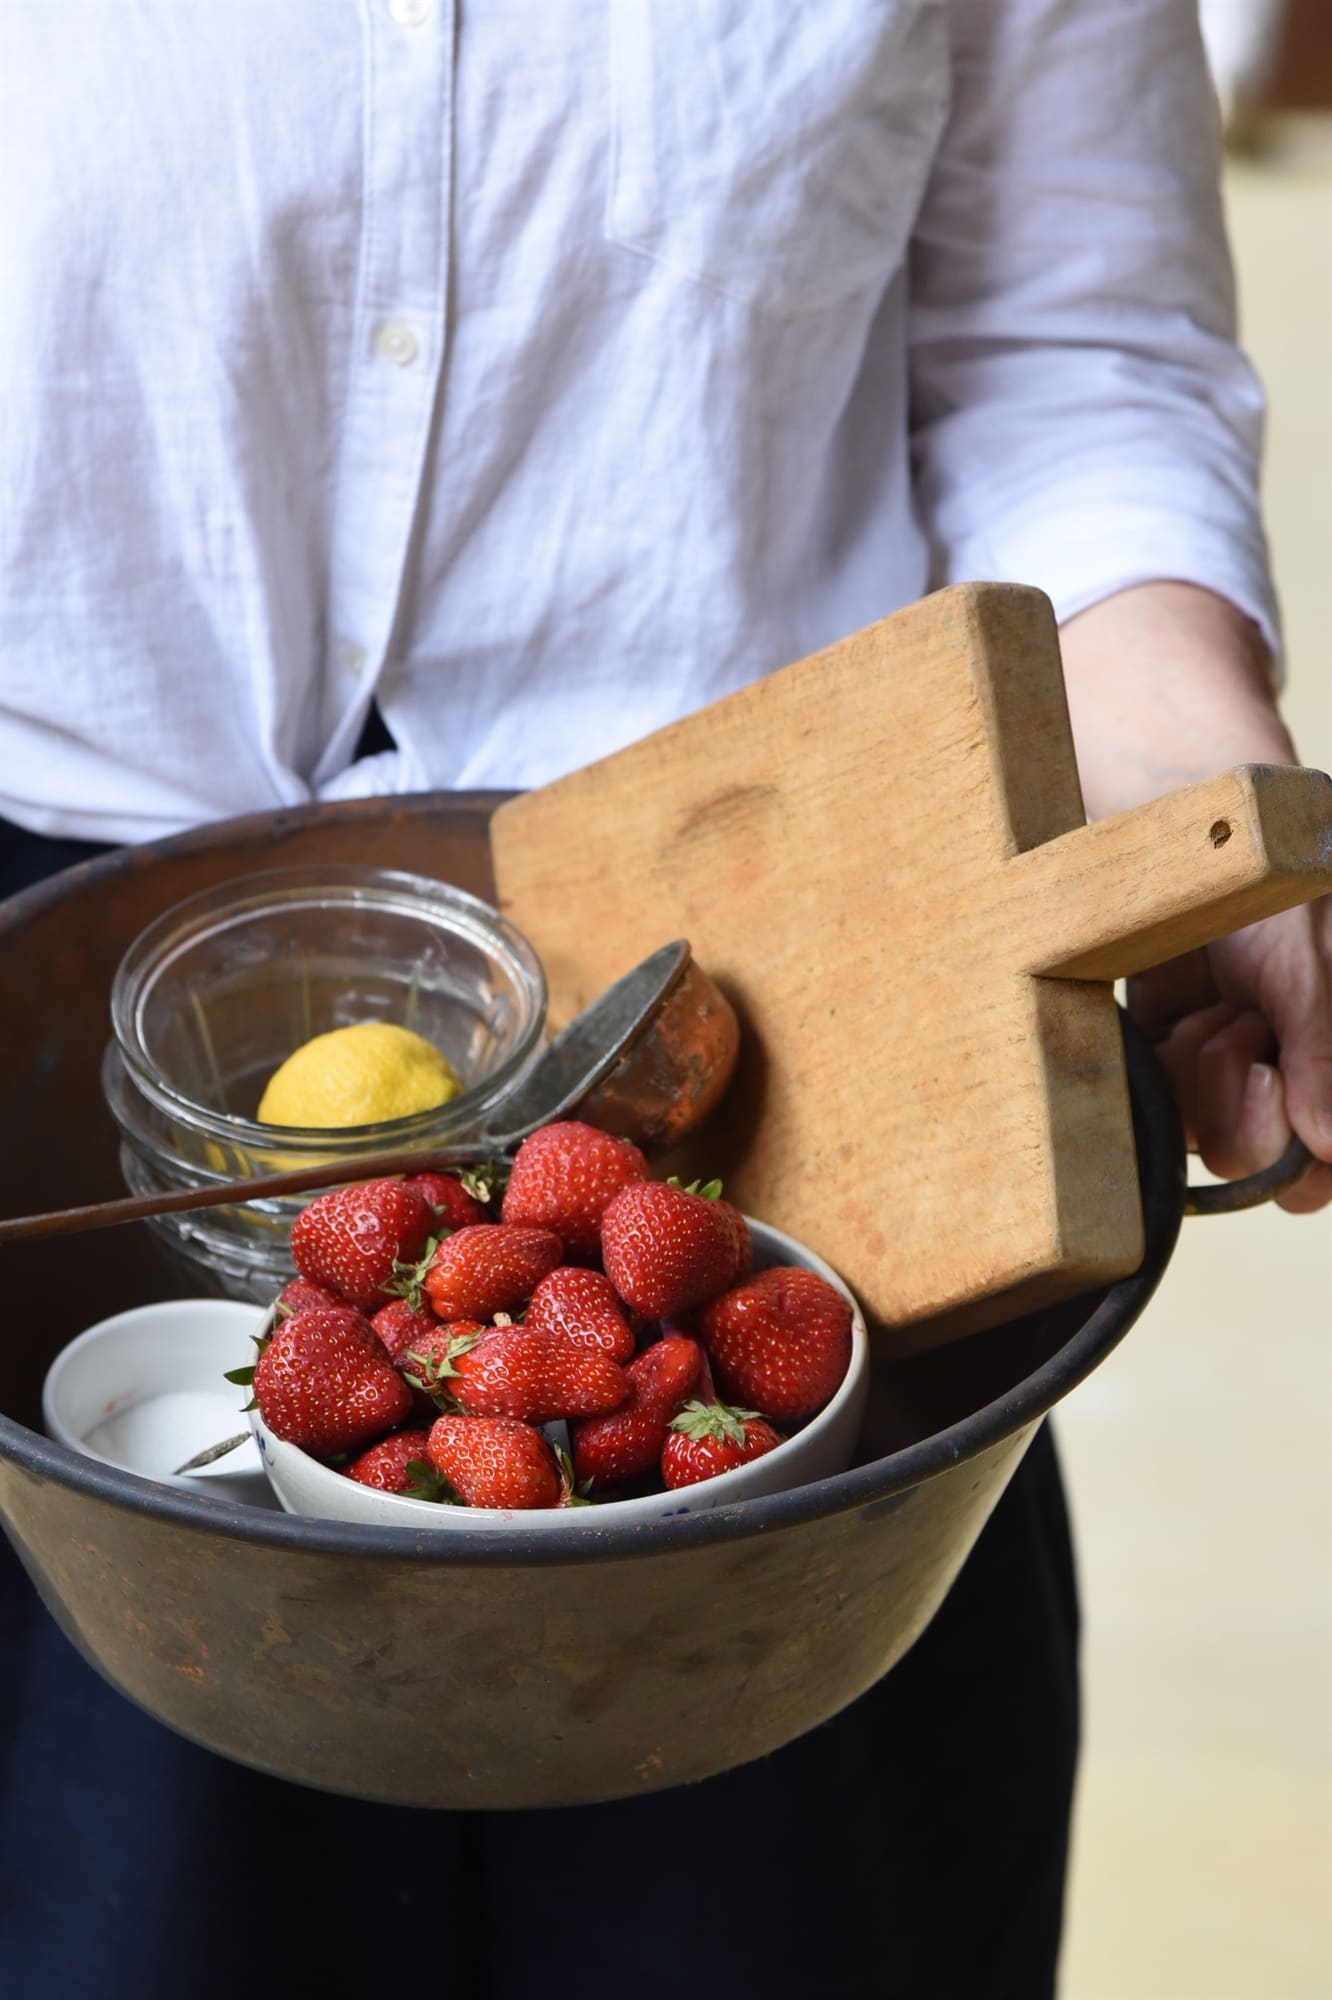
x: 579, y: 1072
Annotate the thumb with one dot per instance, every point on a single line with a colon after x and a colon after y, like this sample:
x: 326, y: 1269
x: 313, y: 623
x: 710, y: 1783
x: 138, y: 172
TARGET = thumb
x: 1283, y: 966
x: 1300, y: 1010
x: 1301, y: 1015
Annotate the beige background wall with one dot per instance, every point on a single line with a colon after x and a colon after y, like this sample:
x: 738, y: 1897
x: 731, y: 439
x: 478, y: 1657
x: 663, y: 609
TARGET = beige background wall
x: 1200, y: 1454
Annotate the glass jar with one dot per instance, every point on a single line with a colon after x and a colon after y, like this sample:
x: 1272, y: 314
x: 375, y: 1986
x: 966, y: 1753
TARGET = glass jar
x: 210, y: 999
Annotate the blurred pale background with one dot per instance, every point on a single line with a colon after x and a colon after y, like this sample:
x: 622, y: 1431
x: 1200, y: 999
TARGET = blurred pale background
x: 1200, y: 1455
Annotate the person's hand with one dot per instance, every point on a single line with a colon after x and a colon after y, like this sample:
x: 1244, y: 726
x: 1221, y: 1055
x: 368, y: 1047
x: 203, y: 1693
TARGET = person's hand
x: 1168, y: 684
x: 1244, y: 1030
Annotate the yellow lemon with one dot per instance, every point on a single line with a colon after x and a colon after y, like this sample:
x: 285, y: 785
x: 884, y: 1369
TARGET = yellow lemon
x: 358, y: 1076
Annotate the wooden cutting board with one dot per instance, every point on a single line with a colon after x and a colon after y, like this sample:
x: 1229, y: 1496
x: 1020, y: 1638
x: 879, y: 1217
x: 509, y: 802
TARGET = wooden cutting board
x: 880, y: 855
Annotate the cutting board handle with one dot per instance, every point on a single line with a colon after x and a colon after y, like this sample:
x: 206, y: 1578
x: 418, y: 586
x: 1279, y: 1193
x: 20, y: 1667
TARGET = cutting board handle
x: 1122, y: 894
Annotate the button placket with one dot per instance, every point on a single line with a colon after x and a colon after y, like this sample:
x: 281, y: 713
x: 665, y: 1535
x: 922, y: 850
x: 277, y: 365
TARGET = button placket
x: 397, y: 347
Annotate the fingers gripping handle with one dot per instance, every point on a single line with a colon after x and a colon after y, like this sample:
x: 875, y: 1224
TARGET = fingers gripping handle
x: 1113, y: 898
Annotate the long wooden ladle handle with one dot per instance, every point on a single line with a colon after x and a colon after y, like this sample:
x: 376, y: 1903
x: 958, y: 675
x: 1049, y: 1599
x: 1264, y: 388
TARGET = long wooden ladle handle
x: 226, y: 1194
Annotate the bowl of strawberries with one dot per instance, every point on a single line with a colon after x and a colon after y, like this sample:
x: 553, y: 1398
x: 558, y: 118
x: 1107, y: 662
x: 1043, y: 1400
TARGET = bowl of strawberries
x: 462, y: 1351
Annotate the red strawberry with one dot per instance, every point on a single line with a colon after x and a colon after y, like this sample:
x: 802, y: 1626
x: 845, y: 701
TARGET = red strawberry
x: 708, y: 1438
x: 705, y: 1388
x: 496, y: 1462
x: 744, y: 1245
x: 324, y: 1382
x: 352, y: 1238
x: 667, y: 1248
x: 401, y: 1325
x: 433, y: 1353
x: 518, y: 1371
x: 781, y: 1341
x: 454, y: 1207
x: 427, y: 1364
x: 300, y: 1294
x: 398, y: 1464
x: 563, y: 1177
x: 584, y: 1307
x: 489, y: 1268
x: 610, y: 1449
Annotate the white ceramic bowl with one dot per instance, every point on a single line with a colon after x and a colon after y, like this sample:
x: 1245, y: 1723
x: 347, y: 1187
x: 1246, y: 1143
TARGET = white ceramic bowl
x: 145, y: 1391
x: 822, y: 1447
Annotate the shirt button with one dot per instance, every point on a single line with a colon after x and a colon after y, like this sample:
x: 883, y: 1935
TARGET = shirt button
x: 410, y: 13
x: 396, y: 342
x: 353, y: 660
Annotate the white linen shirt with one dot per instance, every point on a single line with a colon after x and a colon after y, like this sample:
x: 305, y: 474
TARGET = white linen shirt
x: 549, y: 370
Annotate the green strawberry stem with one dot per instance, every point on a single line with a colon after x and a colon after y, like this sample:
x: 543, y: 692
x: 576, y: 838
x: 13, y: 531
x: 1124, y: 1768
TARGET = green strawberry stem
x: 424, y: 1483
x: 713, y: 1420
x: 573, y: 1492
x: 709, y: 1190
x: 408, y: 1280
x: 486, y: 1180
x: 243, y: 1377
x: 436, y: 1368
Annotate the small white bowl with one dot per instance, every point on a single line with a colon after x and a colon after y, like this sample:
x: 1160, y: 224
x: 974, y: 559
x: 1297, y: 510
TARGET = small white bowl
x: 146, y: 1390
x: 822, y: 1447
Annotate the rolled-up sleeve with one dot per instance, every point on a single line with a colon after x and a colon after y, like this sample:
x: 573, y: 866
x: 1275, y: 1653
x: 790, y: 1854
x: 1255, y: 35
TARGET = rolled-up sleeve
x: 1082, y: 418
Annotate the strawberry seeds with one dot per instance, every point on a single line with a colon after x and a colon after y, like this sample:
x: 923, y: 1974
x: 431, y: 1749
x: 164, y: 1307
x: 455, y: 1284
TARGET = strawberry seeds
x: 595, y: 1298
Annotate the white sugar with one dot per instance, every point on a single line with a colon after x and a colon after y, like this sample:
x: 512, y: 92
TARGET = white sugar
x: 156, y: 1435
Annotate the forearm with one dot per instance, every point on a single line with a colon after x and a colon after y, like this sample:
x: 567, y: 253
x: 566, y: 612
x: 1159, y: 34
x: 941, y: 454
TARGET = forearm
x: 1166, y: 683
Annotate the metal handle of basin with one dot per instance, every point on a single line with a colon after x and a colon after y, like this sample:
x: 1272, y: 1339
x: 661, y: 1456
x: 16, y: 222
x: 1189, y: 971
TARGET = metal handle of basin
x: 1227, y: 1196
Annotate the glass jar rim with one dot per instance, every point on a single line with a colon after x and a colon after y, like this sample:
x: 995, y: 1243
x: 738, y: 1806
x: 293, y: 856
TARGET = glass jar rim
x: 169, y: 935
